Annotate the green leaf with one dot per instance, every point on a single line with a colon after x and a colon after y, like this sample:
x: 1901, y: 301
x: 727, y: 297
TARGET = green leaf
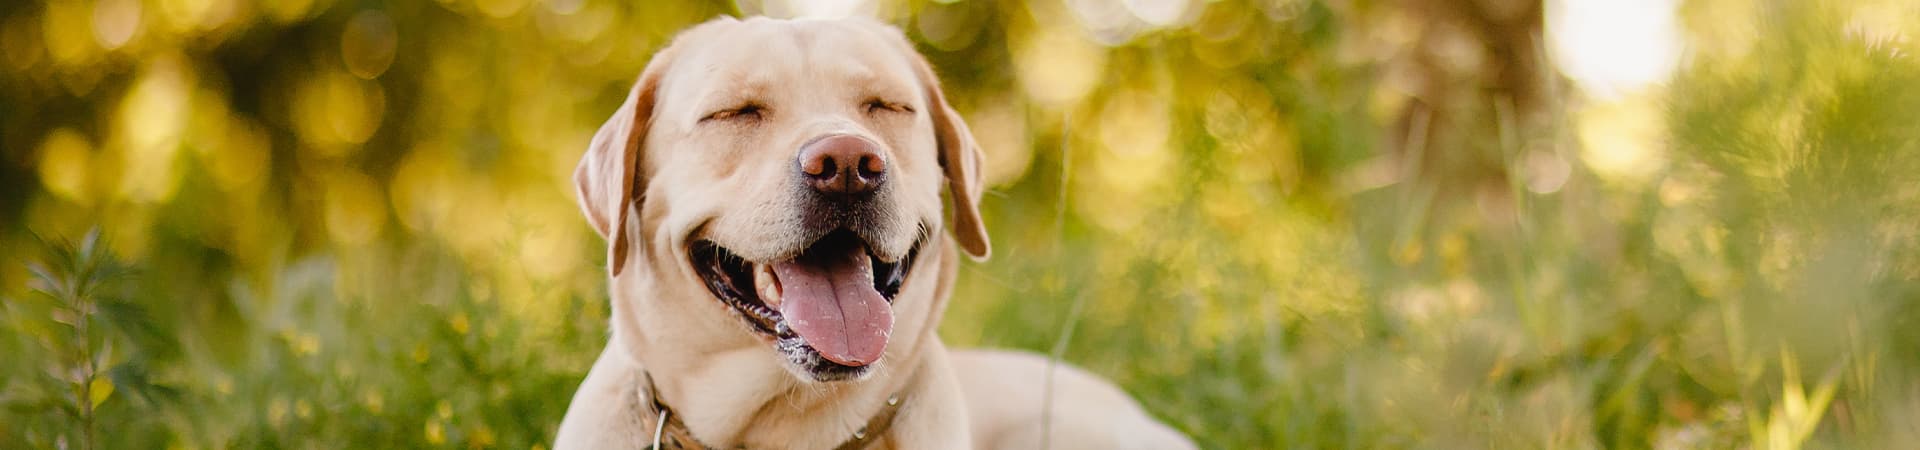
x: 100, y: 390
x: 133, y: 378
x: 134, y: 322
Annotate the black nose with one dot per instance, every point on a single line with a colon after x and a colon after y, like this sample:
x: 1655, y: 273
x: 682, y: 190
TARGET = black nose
x: 843, y: 164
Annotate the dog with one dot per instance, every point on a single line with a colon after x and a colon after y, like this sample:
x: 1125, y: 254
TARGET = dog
x: 779, y: 259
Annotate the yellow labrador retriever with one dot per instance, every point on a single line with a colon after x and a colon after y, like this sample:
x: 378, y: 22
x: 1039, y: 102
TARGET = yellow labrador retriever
x: 770, y: 194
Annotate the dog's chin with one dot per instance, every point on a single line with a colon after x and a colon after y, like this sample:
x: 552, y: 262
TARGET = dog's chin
x: 842, y: 261
x: 806, y: 363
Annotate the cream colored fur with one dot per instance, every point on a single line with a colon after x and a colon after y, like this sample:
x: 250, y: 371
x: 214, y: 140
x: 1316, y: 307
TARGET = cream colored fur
x: 657, y: 177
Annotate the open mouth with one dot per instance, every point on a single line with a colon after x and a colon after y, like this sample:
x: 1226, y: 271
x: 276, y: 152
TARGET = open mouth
x: 829, y: 310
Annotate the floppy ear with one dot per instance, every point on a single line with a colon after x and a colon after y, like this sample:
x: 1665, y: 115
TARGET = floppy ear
x: 960, y: 157
x: 608, y: 179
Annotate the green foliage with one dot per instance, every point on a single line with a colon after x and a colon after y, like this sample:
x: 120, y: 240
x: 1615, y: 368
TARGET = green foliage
x: 79, y: 341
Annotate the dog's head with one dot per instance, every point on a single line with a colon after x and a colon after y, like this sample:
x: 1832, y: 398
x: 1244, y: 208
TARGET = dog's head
x: 784, y: 176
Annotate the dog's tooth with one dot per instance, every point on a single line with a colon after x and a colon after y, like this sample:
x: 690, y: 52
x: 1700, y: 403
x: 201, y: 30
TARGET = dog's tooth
x: 767, y: 285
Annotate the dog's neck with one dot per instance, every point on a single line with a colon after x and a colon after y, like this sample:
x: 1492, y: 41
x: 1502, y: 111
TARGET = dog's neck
x: 669, y: 432
x: 767, y: 407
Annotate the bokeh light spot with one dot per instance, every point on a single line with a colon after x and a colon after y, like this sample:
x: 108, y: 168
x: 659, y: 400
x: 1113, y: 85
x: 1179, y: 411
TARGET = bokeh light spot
x: 1001, y: 127
x: 500, y: 9
x: 334, y: 111
x: 152, y: 121
x: 244, y: 157
x: 422, y: 190
x: 368, y: 44
x: 20, y: 42
x: 65, y: 161
x: 1161, y: 13
x: 355, y: 212
x: 1614, y: 47
x: 188, y: 15
x: 1057, y: 67
x: 1546, y: 172
x: 67, y: 33
x: 285, y: 11
x: 547, y: 227
x: 825, y: 9
x: 1621, y: 141
x: 1108, y: 21
x: 115, y: 22
x: 1132, y: 160
x: 564, y: 7
x: 948, y: 27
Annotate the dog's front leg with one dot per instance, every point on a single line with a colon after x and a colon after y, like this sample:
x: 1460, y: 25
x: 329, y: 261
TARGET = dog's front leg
x: 603, y: 414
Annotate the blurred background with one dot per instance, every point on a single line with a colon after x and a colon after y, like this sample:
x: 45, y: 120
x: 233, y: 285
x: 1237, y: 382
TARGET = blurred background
x: 1278, y: 223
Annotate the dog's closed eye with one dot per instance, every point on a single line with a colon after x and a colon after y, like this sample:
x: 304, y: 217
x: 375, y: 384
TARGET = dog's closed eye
x: 876, y: 105
x: 748, y: 111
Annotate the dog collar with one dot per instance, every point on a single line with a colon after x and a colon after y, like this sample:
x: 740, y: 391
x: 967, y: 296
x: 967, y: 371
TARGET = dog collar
x: 669, y: 433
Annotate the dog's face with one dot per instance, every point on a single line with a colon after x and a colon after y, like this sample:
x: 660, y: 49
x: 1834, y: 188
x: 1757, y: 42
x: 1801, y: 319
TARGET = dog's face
x: 784, y: 176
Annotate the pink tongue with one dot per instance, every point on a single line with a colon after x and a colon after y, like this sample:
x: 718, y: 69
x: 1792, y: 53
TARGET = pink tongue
x: 829, y: 300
